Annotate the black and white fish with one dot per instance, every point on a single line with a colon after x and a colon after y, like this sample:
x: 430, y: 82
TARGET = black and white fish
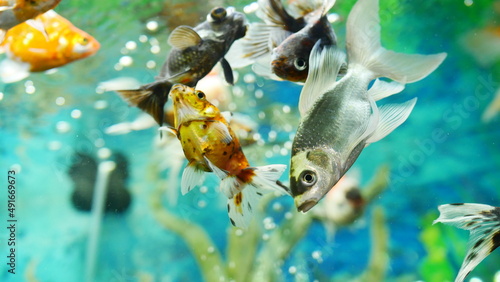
x: 483, y: 221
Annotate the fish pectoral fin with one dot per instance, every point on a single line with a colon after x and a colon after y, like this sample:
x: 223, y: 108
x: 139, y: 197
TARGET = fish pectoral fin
x: 324, y: 67
x: 228, y: 71
x: 183, y: 37
x: 382, y: 89
x: 12, y: 71
x: 227, y: 115
x: 391, y: 116
x: 240, y: 207
x: 38, y: 25
x: 482, y: 221
x: 192, y: 176
x: 150, y: 98
x: 221, y: 132
x: 168, y: 129
x: 266, y: 178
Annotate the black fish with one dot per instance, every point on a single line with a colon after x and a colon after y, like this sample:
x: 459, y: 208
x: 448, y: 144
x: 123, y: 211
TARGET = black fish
x: 195, y: 51
x: 282, y: 44
x: 483, y: 221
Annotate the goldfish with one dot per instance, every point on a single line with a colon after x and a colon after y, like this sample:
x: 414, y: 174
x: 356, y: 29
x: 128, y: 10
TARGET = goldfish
x: 15, y: 12
x: 483, y: 221
x: 340, y: 118
x: 282, y: 44
x: 210, y: 145
x: 195, y: 51
x: 28, y: 50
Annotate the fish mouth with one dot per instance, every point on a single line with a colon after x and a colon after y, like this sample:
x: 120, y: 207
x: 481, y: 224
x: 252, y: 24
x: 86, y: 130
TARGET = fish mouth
x: 307, y: 205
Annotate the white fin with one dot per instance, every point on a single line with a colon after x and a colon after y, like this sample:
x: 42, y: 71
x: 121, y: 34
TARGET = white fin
x: 221, y: 132
x: 191, y: 177
x: 391, y: 116
x: 119, y: 83
x: 324, y: 66
x: 483, y: 221
x: 38, y: 25
x: 363, y: 48
x: 168, y: 129
x: 6, y: 8
x: 300, y: 8
x: 262, y: 67
x: 266, y: 178
x: 382, y: 89
x: 240, y: 208
x: 227, y: 115
x: 231, y: 185
x: 183, y: 37
x: 12, y: 71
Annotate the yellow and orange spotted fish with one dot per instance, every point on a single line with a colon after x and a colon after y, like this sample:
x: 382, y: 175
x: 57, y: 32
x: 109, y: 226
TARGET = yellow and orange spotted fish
x: 209, y: 144
x: 14, y: 12
x: 29, y: 50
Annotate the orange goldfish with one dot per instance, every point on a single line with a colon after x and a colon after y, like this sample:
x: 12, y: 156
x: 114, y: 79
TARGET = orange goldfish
x: 28, y: 50
x: 210, y: 144
x: 15, y: 12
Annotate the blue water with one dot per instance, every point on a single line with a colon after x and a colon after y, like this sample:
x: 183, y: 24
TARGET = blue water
x: 442, y: 154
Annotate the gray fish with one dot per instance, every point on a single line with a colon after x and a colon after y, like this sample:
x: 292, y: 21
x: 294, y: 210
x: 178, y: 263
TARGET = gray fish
x: 195, y: 51
x: 483, y: 221
x: 340, y: 118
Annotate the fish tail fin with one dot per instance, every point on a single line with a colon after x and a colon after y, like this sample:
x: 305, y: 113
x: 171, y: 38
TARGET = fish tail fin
x: 364, y: 48
x: 150, y: 98
x: 12, y: 71
x: 483, y: 223
x: 240, y: 207
x: 266, y: 178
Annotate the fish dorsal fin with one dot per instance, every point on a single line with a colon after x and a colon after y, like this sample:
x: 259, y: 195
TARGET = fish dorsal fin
x: 391, y: 116
x: 183, y: 37
x: 382, y: 89
x: 301, y: 8
x: 324, y: 66
x: 38, y: 25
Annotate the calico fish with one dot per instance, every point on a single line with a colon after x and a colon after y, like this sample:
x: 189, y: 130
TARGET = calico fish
x: 209, y: 144
x: 483, y: 221
x: 28, y: 50
x: 194, y: 53
x: 340, y: 118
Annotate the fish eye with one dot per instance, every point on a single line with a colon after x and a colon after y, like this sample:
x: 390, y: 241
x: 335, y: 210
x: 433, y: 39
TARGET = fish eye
x: 300, y: 64
x: 200, y: 94
x: 84, y: 41
x: 218, y: 14
x: 308, y: 178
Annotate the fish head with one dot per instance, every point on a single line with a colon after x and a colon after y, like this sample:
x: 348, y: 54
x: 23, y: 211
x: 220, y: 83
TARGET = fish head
x: 227, y: 24
x: 312, y: 174
x: 290, y: 60
x: 190, y: 104
x: 81, y: 45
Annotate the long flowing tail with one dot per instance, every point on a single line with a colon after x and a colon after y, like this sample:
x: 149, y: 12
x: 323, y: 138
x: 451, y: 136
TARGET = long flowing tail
x: 364, y: 48
x: 150, y: 98
x: 483, y: 221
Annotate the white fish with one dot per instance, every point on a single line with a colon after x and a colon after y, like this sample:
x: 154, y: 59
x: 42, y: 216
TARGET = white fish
x: 483, y: 221
x: 340, y: 118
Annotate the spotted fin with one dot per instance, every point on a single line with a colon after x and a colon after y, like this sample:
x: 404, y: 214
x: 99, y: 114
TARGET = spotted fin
x: 183, y: 37
x: 266, y: 178
x: 230, y: 185
x: 150, y: 98
x: 240, y: 207
x: 483, y: 221
x: 191, y: 177
x: 391, y: 116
